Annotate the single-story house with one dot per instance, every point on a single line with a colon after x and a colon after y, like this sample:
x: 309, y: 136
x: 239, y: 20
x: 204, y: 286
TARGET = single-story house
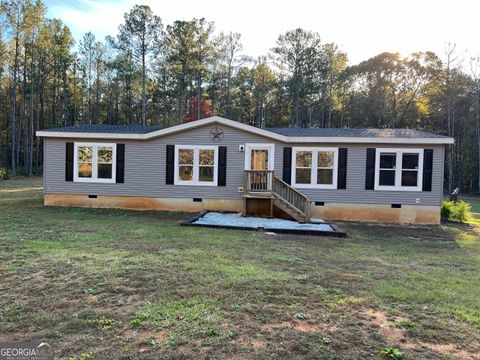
x: 387, y: 175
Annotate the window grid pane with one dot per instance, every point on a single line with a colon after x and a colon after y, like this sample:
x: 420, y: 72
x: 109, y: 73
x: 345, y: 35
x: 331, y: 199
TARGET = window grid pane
x: 206, y: 173
x: 387, y: 178
x: 325, y: 159
x: 388, y: 160
x: 325, y: 176
x: 303, y: 175
x: 185, y: 172
x: 185, y: 156
x: 409, y: 178
x: 105, y: 155
x: 410, y: 161
x: 304, y: 159
x: 207, y: 157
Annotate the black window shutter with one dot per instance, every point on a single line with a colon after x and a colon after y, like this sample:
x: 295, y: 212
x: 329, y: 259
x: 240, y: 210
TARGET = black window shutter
x: 427, y: 169
x: 287, y: 165
x: 370, y: 170
x: 69, y: 162
x: 222, y: 166
x: 342, y: 168
x: 120, y: 172
x: 170, y: 164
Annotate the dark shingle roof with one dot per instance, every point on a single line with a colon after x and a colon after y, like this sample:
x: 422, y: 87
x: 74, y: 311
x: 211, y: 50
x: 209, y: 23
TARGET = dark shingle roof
x: 360, y: 133
x: 301, y: 132
x: 110, y: 129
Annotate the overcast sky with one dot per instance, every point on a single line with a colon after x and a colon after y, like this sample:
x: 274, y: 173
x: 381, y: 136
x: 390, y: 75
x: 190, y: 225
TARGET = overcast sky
x: 362, y: 28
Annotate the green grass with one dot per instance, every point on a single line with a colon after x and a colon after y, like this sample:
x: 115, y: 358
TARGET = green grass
x: 474, y: 201
x: 102, y: 283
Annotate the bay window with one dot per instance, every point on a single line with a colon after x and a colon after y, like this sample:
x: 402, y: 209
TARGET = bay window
x: 399, y: 169
x: 94, y: 162
x: 315, y: 167
x: 196, y: 165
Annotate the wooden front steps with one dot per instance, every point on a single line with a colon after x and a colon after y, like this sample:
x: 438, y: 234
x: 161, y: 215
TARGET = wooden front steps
x: 290, y: 210
x: 264, y: 193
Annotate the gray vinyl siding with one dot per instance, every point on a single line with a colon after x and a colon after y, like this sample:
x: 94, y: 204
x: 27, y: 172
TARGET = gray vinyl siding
x: 355, y: 191
x: 145, y: 171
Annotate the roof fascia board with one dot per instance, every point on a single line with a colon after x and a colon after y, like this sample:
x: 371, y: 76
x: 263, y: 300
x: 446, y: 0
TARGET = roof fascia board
x: 89, y: 135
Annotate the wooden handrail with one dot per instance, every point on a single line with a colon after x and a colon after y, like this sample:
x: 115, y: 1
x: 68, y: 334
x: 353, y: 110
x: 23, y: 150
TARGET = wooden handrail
x: 293, y: 189
x: 292, y: 196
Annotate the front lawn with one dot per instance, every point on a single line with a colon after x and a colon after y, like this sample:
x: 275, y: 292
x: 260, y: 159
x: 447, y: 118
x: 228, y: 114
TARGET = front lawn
x: 112, y: 284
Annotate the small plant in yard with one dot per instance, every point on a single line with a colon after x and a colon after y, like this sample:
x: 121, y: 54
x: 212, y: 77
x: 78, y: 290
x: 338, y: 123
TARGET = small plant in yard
x: 135, y: 323
x: 232, y: 334
x: 90, y: 291
x: 213, y: 333
x: 392, y: 353
x: 300, y: 316
x: 326, y: 340
x: 156, y: 344
x: 456, y: 211
x: 405, y: 324
x: 84, y: 356
x: 105, y: 324
x: 173, y: 341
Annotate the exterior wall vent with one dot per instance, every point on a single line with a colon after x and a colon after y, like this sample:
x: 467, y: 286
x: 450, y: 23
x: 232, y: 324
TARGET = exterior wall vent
x: 396, y: 206
x: 197, y: 200
x: 92, y: 196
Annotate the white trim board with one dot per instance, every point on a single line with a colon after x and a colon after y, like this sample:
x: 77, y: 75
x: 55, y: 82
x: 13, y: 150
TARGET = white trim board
x: 248, y: 128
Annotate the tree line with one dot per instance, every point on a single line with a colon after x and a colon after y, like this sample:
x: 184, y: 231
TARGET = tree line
x: 153, y: 73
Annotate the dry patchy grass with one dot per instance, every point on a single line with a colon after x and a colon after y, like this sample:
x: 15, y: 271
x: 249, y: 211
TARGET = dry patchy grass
x: 129, y: 285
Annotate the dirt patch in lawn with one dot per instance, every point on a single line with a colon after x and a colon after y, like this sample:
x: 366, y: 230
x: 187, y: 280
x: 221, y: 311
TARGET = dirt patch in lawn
x: 398, y: 336
x: 385, y: 324
x: 297, y: 325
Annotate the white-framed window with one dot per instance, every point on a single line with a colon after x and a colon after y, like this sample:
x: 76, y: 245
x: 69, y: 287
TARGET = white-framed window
x: 315, y: 167
x: 259, y: 156
x: 196, y: 165
x: 399, y: 169
x: 94, y: 162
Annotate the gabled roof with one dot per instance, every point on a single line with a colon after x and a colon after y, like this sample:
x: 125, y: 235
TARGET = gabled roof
x: 288, y: 135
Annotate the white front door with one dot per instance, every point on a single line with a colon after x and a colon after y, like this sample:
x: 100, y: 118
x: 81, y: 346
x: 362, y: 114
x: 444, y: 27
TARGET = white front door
x: 259, y: 156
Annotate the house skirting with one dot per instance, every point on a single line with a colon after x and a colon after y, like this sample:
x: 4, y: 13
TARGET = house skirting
x: 407, y: 214
x: 143, y: 203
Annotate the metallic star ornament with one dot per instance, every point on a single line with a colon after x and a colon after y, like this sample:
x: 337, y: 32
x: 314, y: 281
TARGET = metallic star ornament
x: 216, y: 133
